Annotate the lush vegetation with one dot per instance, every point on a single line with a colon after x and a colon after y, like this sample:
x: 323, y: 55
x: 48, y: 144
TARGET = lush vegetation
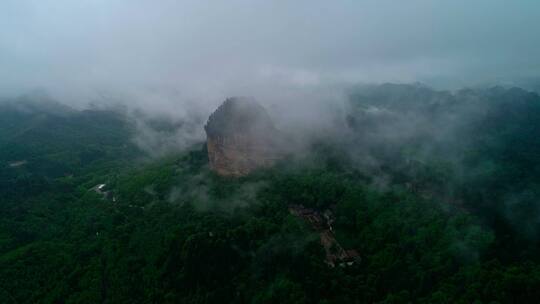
x: 437, y: 216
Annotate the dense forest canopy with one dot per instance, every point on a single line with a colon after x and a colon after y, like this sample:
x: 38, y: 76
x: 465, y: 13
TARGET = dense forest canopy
x: 437, y: 191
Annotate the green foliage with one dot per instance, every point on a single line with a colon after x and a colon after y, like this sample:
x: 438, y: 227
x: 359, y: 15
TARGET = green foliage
x: 171, y: 231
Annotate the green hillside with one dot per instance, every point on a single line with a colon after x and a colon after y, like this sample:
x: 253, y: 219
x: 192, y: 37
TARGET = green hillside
x: 446, y: 211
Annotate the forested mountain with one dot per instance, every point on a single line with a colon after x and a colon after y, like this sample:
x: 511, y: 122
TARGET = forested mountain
x: 436, y: 191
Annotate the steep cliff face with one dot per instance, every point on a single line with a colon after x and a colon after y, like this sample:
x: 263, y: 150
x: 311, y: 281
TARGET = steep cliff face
x: 241, y: 137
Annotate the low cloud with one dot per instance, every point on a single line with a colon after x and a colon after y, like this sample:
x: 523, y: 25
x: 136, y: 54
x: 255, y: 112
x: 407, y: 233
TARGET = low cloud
x: 205, y: 51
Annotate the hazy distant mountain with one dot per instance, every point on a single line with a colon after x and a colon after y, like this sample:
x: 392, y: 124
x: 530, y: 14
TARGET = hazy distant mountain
x: 47, y: 135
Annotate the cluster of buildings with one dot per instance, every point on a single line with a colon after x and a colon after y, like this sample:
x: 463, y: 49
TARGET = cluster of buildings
x: 322, y: 222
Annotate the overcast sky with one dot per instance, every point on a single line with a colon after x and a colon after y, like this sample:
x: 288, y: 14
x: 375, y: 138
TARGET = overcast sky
x: 208, y: 49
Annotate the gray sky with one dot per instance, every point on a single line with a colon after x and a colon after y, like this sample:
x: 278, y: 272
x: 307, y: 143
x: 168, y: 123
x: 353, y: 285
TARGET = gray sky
x: 205, y: 50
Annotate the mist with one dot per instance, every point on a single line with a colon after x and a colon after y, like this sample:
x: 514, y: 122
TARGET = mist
x: 401, y: 145
x: 159, y: 55
x: 171, y: 63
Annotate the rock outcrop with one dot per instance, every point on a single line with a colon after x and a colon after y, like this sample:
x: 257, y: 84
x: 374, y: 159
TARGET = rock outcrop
x: 241, y: 137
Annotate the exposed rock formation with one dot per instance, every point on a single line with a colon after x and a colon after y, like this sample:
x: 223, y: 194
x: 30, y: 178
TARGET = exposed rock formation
x: 241, y: 137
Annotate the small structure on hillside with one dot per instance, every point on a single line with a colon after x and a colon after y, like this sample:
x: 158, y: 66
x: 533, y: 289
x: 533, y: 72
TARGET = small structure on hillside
x: 102, y: 190
x: 18, y: 163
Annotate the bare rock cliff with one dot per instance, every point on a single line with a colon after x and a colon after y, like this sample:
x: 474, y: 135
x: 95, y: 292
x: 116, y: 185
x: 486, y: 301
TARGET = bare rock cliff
x: 241, y: 137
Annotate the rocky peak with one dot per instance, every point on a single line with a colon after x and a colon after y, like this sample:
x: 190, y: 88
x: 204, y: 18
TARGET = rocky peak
x: 241, y: 137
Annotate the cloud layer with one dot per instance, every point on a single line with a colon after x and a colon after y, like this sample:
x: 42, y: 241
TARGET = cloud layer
x: 205, y: 50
